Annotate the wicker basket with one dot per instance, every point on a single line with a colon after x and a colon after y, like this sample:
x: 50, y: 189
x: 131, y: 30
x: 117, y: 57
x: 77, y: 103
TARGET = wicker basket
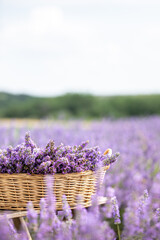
x: 17, y: 189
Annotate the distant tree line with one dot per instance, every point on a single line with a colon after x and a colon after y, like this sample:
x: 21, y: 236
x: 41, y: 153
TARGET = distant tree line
x: 78, y: 106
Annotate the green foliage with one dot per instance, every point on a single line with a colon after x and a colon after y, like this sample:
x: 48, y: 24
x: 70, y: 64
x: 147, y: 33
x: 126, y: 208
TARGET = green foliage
x: 78, y: 106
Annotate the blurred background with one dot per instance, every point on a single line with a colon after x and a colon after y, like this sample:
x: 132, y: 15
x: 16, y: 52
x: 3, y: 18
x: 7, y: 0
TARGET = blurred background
x: 78, y: 70
x: 79, y: 59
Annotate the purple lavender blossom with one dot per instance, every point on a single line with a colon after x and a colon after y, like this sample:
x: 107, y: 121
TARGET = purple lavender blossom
x: 32, y: 218
x: 115, y: 210
x: 137, y: 139
x: 28, y: 158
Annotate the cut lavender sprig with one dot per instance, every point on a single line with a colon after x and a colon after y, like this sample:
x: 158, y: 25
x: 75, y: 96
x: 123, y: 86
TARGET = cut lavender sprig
x: 28, y: 158
x: 111, y: 159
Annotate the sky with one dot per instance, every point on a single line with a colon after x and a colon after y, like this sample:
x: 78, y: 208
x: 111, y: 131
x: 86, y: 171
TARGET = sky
x: 102, y: 47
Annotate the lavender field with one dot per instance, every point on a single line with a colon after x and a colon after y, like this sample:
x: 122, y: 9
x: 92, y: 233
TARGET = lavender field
x: 132, y: 183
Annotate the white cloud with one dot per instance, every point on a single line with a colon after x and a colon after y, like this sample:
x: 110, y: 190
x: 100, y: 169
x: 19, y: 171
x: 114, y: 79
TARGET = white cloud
x: 45, y: 30
x: 80, y: 2
x: 134, y: 2
x: 50, y: 51
x: 45, y: 19
x: 41, y: 20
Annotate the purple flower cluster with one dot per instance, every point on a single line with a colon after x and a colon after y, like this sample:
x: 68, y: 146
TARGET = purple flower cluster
x: 138, y: 140
x: 28, y: 158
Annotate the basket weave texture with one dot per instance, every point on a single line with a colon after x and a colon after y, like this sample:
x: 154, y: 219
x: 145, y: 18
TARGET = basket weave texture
x: 16, y: 190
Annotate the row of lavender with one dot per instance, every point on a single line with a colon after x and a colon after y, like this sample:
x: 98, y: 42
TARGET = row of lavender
x: 137, y: 169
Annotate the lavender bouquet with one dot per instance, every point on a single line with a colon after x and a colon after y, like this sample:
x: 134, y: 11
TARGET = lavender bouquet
x: 28, y: 158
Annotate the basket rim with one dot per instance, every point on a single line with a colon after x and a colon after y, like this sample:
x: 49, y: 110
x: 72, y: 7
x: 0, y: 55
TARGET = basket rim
x: 88, y: 172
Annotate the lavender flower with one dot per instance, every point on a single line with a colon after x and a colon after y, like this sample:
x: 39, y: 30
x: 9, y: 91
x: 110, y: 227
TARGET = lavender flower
x: 28, y: 158
x: 32, y: 218
x: 158, y: 214
x: 67, y: 213
x: 115, y: 211
x: 116, y: 214
x: 137, y: 139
